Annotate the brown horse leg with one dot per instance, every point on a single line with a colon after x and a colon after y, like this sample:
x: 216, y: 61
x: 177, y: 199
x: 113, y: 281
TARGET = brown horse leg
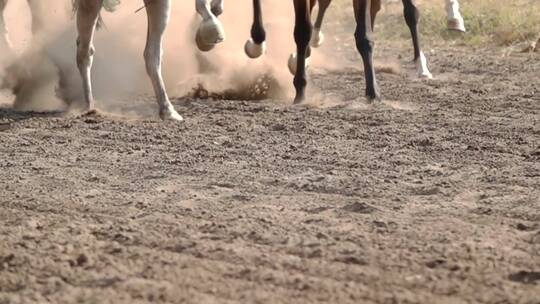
x: 412, y: 15
x: 302, y: 37
x: 364, y: 44
x: 318, y: 36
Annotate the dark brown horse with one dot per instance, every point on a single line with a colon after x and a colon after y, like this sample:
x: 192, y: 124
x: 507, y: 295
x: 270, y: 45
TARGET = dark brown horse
x: 365, y: 12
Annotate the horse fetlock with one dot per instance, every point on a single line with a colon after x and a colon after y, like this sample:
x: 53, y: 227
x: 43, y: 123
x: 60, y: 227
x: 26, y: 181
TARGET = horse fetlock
x: 456, y: 24
x: 293, y: 63
x: 254, y: 50
x: 317, y: 38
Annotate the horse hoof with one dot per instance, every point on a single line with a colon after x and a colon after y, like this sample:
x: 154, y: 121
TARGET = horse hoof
x: 456, y: 24
x: 254, y: 50
x: 317, y: 38
x: 203, y: 46
x: 293, y: 63
x: 170, y: 114
x: 425, y: 75
x: 209, y: 34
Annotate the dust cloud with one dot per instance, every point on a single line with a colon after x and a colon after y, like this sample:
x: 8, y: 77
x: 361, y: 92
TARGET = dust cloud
x: 119, y: 75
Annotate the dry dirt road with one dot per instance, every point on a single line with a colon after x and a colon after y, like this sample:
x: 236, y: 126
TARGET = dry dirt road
x: 431, y: 196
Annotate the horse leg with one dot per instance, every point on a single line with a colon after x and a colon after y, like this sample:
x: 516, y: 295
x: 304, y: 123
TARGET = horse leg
x: 87, y: 17
x: 256, y: 45
x: 302, y: 36
x: 364, y: 43
x: 318, y: 36
x: 36, y: 9
x: 412, y: 15
x: 211, y: 30
x: 454, y: 19
x: 158, y: 12
x: 5, y: 44
x: 293, y: 59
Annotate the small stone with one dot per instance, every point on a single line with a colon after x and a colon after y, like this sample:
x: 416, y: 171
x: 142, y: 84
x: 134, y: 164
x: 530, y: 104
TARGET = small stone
x: 82, y: 260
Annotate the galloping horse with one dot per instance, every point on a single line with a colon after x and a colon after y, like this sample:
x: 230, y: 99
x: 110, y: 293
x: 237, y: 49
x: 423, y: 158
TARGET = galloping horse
x: 365, y: 12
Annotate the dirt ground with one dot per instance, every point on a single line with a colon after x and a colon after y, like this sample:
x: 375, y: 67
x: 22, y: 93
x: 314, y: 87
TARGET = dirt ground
x: 431, y: 196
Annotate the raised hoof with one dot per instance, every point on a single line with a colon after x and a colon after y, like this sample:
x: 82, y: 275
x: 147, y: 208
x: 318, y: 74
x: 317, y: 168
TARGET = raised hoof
x: 293, y: 63
x: 170, y: 114
x: 209, y: 34
x: 254, y: 50
x: 317, y: 38
x: 456, y: 24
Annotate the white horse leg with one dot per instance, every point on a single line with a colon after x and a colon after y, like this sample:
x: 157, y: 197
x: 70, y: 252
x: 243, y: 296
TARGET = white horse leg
x: 4, y: 39
x: 211, y: 30
x: 158, y: 17
x: 87, y: 17
x: 454, y: 19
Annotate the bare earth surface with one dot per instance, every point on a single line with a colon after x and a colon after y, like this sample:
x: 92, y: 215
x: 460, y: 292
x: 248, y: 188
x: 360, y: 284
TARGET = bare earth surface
x: 431, y: 196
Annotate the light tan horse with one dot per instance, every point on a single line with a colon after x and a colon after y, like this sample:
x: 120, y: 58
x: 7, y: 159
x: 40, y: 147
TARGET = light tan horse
x: 158, y: 11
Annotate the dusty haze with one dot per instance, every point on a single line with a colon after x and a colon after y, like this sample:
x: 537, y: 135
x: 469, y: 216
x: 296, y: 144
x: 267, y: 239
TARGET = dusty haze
x: 119, y: 72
